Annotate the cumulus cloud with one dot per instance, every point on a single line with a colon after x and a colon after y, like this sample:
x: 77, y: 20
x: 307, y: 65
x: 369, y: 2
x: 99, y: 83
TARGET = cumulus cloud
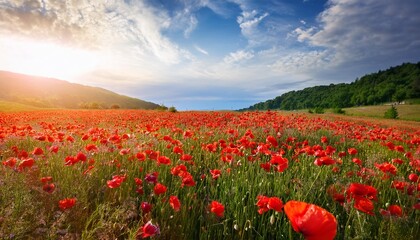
x: 361, y: 29
x: 238, y: 56
x: 35, y: 18
x: 303, y: 61
x: 94, y: 24
x: 248, y: 22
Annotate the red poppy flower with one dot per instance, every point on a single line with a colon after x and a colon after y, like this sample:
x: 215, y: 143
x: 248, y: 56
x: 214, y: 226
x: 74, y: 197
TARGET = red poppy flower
x: 217, y: 208
x: 269, y: 203
x: 266, y: 166
x: 336, y: 191
x: 148, y: 230
x: 281, y: 162
x: 23, y: 154
x: 386, y: 168
x: 326, y: 160
x: 361, y: 190
x: 116, y: 181
x: 393, y: 210
x: 178, y: 150
x: 186, y: 157
x: 187, y: 179
x: 397, y: 161
x: 275, y: 204
x: 91, y: 147
x: 124, y: 151
x: 262, y: 204
x: 159, y: 189
x: 413, y: 177
x: 138, y: 181
x: 46, y: 179
x: 177, y: 170
x: 81, y: 157
x: 357, y: 161
x: 145, y: 207
x: 174, y: 202
x: 70, y: 160
x: 26, y: 163
x: 399, y: 148
x: 70, y: 139
x: 352, y: 151
x: 215, y: 173
x: 67, y: 203
x: 37, y: 151
x: 151, y: 178
x: 49, y: 187
x: 272, y: 141
x: 141, y: 156
x: 53, y: 149
x: 342, y: 154
x: 363, y: 204
x: 164, y: 160
x: 399, y: 185
x: 314, y: 222
x: 10, y: 162
x: 85, y: 137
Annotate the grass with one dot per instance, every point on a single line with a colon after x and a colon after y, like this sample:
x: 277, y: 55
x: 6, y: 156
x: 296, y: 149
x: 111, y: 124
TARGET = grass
x: 6, y: 106
x: 405, y: 112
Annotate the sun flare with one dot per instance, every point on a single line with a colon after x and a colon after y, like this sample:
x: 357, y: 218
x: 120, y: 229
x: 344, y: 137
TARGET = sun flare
x: 46, y: 59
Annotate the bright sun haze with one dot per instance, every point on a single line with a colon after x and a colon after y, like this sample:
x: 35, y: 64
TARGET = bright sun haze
x: 43, y: 58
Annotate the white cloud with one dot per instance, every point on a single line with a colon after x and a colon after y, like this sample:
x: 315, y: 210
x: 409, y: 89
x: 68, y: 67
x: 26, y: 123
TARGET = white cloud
x: 304, y: 62
x: 201, y: 50
x: 248, y: 22
x: 303, y: 34
x: 94, y: 24
x: 192, y: 24
x: 366, y: 29
x: 238, y: 56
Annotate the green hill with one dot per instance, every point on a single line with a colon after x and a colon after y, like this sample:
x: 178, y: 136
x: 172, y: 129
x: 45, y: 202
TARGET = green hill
x: 395, y: 84
x: 43, y: 92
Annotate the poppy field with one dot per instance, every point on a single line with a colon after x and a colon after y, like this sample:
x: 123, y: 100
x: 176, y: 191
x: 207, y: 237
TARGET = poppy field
x: 131, y: 174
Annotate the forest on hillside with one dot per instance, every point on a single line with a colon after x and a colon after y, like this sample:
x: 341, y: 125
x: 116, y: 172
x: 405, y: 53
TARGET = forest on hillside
x: 395, y: 84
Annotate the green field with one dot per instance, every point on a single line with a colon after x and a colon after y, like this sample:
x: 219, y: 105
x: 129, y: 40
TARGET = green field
x: 6, y: 106
x: 405, y: 112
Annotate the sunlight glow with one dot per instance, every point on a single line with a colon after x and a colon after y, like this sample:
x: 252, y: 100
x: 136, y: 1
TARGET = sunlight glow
x: 46, y: 59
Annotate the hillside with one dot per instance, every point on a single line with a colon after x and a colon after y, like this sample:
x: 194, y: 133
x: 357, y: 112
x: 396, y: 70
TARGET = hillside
x: 52, y: 93
x: 395, y: 84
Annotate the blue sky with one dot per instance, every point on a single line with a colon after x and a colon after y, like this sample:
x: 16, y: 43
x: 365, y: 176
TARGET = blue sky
x: 207, y: 54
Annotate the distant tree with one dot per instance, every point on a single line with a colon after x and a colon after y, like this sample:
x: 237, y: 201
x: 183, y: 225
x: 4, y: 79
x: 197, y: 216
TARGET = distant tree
x: 172, y: 109
x: 338, y: 111
x: 162, y: 108
x: 399, y: 95
x: 391, y: 113
x: 94, y: 105
x: 115, y: 106
x: 84, y: 105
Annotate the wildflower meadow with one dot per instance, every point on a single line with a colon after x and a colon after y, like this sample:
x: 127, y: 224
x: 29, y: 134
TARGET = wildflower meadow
x: 134, y: 174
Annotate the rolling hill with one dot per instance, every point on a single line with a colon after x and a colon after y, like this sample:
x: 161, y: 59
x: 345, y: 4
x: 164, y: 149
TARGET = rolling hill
x: 43, y: 92
x: 395, y: 84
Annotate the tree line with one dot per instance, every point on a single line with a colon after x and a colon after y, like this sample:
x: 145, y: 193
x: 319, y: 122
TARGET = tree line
x: 395, y: 84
